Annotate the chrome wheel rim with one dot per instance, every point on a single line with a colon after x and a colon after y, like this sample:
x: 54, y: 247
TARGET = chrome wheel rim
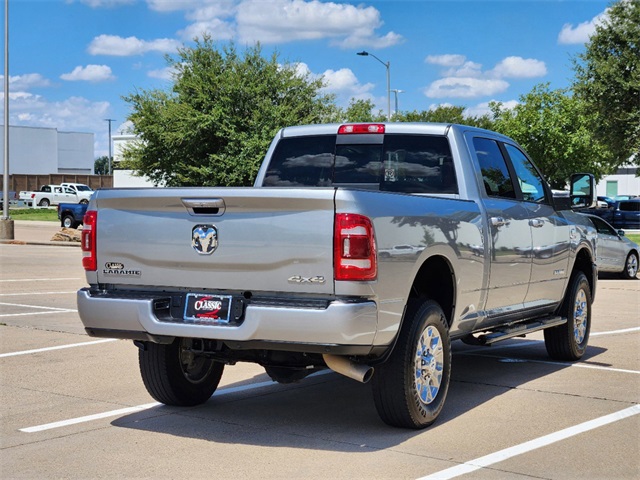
x: 580, y: 316
x: 632, y: 265
x: 429, y: 365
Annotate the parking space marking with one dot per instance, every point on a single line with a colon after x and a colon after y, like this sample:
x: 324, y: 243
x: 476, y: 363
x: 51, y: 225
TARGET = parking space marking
x: 550, y: 362
x: 37, y: 307
x: 146, y: 406
x: 29, y: 294
x: 59, y: 347
x: 38, y: 279
x: 615, y: 332
x: 47, y: 310
x: 531, y: 445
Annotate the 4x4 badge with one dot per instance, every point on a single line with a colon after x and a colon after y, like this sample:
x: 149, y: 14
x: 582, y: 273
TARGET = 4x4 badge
x: 204, y: 239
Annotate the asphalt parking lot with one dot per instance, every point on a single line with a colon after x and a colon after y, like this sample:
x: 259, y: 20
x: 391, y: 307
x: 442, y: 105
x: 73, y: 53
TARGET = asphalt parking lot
x: 75, y: 407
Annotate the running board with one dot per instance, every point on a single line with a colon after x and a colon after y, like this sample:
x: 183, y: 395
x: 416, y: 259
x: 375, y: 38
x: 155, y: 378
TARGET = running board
x: 520, y: 330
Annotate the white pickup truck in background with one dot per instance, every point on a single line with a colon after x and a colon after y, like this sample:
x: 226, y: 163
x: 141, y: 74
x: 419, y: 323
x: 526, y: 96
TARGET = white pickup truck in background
x: 55, y: 194
x: 364, y: 248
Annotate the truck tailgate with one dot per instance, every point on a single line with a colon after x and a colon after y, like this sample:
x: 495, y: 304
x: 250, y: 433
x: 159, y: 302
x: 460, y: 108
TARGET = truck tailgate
x: 268, y: 240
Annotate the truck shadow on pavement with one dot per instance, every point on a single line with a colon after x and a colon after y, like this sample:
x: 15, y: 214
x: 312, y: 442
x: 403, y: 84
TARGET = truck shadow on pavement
x: 331, y: 412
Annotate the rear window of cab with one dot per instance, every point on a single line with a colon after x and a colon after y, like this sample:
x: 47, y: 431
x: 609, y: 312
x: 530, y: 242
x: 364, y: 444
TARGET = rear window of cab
x: 402, y: 163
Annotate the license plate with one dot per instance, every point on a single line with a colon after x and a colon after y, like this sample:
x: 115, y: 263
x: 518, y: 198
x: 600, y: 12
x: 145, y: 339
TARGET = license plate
x: 205, y: 308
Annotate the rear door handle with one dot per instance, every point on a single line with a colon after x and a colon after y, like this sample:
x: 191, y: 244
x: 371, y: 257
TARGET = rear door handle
x: 536, y: 222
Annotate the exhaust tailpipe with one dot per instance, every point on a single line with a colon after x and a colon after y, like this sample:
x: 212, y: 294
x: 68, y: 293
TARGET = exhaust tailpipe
x: 344, y: 366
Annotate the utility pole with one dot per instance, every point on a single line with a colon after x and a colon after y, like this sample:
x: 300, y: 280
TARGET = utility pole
x: 110, y: 159
x: 6, y: 224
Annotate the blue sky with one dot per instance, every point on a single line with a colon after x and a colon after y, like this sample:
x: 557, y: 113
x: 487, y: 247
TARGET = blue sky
x: 72, y: 61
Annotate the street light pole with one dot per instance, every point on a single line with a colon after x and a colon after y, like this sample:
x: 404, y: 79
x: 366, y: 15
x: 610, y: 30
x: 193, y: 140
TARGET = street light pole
x: 109, y: 120
x: 6, y: 224
x: 396, y: 92
x: 388, y: 67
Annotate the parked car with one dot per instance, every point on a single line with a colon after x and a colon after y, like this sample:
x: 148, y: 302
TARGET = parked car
x: 615, y: 252
x: 624, y: 214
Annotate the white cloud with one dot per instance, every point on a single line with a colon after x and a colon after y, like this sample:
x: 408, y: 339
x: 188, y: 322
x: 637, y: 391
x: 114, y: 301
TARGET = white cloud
x: 283, y: 21
x: 343, y: 82
x: 465, y: 87
x: 167, y: 73
x: 466, y: 79
x: 570, y: 35
x: 124, y: 47
x: 448, y: 60
x: 26, y: 82
x: 90, y: 73
x: 518, y: 67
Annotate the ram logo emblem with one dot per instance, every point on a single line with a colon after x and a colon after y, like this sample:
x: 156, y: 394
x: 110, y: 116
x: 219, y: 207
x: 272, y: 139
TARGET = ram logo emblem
x: 204, y: 239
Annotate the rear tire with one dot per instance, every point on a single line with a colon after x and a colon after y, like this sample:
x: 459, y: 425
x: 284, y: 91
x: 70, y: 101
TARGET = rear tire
x: 44, y: 202
x: 568, y: 342
x: 630, y: 266
x: 410, y: 389
x: 174, y: 375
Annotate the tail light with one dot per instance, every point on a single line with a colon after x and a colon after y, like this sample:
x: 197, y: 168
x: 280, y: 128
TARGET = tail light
x: 88, y: 241
x: 354, y: 248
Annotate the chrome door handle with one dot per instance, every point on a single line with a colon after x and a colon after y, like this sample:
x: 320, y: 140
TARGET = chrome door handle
x: 536, y: 222
x: 498, y: 222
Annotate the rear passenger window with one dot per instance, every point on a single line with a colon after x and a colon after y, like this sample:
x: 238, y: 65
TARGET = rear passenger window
x: 417, y: 163
x: 497, y: 181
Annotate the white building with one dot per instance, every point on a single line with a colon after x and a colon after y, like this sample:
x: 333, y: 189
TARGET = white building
x: 43, y: 151
x: 125, y: 178
x: 624, y: 182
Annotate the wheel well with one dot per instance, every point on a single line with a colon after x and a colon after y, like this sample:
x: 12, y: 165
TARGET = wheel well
x: 435, y: 281
x: 584, y: 264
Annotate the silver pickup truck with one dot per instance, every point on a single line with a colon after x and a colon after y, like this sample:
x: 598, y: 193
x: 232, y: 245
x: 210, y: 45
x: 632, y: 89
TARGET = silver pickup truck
x: 364, y: 248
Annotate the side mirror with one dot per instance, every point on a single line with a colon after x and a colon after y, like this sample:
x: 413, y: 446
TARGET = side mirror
x: 621, y: 233
x: 582, y: 190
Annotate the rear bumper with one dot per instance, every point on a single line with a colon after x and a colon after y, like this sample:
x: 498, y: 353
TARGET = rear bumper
x: 341, y: 324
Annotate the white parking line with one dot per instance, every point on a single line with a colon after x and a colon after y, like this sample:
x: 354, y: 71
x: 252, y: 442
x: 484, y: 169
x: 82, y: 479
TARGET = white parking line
x: 550, y: 362
x: 59, y: 347
x: 38, y: 279
x: 37, y: 307
x: 615, y: 332
x: 146, y: 406
x: 531, y: 445
x: 25, y: 294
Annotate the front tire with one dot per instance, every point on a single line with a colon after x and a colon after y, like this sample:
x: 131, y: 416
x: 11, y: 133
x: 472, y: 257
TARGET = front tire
x: 568, y: 342
x: 174, y: 375
x: 69, y: 222
x: 410, y: 389
x: 630, y: 266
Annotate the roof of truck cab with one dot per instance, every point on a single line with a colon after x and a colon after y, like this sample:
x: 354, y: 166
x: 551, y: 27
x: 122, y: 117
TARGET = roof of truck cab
x: 390, y: 127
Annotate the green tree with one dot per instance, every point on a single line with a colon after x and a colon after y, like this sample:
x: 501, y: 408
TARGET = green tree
x: 362, y: 111
x: 101, y: 165
x: 554, y: 128
x: 607, y: 79
x: 216, y: 123
x: 445, y: 114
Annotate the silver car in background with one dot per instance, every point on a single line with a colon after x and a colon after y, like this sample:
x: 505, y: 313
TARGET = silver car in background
x: 615, y: 252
